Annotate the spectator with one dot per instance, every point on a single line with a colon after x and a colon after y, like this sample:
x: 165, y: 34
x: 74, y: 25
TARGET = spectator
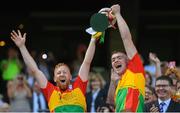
x: 38, y: 100
x: 164, y: 102
x: 19, y: 94
x: 157, y: 64
x: 105, y: 108
x: 174, y: 74
x: 150, y: 94
x: 97, y: 94
x: 148, y: 78
x: 10, y: 68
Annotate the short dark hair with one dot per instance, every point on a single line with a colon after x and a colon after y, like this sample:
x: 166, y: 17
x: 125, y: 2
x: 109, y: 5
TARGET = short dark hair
x: 114, y: 52
x: 167, y: 78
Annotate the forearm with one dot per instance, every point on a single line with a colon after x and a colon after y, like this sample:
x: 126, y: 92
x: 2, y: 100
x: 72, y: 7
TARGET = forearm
x: 158, y: 69
x: 31, y: 64
x: 126, y: 36
x: 20, y: 39
x: 90, y: 51
x: 29, y: 61
x: 111, y: 92
x: 85, y: 67
x: 123, y: 27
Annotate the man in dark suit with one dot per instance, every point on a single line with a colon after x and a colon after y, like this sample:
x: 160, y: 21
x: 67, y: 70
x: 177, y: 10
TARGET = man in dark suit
x: 164, y: 102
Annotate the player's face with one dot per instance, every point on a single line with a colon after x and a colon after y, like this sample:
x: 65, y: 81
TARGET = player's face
x: 119, y: 62
x: 62, y: 77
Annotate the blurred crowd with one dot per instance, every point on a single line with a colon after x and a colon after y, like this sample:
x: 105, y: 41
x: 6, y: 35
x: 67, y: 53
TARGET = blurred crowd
x: 20, y: 92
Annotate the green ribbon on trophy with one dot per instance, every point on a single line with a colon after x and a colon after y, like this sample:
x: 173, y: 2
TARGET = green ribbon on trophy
x: 99, y: 23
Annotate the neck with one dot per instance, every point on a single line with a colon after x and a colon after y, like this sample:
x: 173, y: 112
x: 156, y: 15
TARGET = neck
x: 164, y: 99
x: 63, y: 88
x: 95, y: 89
x: 121, y: 74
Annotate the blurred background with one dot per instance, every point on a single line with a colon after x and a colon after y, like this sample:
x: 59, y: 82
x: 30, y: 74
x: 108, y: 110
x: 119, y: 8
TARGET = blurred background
x: 60, y: 27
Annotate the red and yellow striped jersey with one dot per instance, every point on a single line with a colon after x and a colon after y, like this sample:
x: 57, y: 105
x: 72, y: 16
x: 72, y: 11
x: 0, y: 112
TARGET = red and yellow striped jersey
x: 72, y: 100
x: 130, y: 91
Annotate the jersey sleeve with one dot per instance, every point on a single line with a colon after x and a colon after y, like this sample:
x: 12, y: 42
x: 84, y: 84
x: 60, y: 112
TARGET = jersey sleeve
x: 78, y: 83
x: 47, y: 91
x: 136, y: 65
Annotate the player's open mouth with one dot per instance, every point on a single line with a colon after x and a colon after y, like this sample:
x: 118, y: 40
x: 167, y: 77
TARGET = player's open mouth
x: 118, y: 66
x: 62, y: 81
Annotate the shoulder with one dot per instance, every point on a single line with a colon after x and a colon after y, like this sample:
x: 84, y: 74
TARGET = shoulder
x: 49, y: 86
x: 174, y: 106
x: 175, y: 103
x: 79, y: 80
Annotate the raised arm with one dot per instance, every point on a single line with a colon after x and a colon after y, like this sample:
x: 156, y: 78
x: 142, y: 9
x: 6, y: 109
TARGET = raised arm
x: 124, y: 32
x: 157, y: 63
x: 85, y: 67
x: 19, y: 40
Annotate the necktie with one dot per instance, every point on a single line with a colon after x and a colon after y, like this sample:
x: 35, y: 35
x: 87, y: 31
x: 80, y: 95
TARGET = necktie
x: 161, y: 107
x: 39, y: 102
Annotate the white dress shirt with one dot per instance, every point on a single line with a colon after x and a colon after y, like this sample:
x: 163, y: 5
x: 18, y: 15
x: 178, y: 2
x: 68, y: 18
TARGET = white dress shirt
x: 167, y: 102
x: 94, y: 95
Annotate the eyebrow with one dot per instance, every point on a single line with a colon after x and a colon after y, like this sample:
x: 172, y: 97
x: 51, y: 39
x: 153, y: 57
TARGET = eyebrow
x: 162, y: 84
